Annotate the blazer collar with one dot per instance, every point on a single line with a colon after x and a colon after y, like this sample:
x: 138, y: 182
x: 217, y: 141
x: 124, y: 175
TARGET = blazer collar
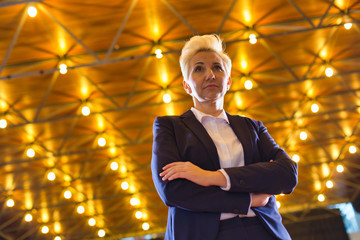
x: 197, y: 128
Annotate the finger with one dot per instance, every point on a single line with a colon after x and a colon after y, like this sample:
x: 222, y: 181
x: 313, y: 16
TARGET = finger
x: 175, y: 176
x: 165, y: 174
x: 173, y: 164
x: 172, y: 175
x: 168, y: 173
x: 176, y: 172
x: 172, y: 168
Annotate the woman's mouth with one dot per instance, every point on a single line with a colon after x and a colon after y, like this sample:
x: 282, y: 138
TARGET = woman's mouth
x: 211, y: 86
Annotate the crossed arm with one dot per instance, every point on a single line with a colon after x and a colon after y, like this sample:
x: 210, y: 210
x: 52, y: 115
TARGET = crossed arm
x: 195, y: 174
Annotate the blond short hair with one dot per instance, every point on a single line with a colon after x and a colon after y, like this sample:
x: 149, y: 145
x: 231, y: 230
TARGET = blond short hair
x: 204, y: 43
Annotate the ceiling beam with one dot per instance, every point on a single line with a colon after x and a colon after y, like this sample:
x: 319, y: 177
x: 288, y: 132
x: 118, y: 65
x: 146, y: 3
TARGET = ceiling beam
x: 48, y: 90
x: 326, y: 12
x: 14, y: 39
x: 301, y: 12
x: 69, y: 32
x: 180, y: 16
x: 17, y: 2
x: 226, y: 16
x: 120, y: 30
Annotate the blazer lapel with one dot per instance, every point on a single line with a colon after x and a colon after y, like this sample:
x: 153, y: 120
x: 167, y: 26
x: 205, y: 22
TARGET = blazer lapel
x: 198, y: 129
x: 241, y: 130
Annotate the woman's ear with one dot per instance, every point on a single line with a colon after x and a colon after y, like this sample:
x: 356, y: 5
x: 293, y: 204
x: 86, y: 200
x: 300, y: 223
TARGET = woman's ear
x: 187, y: 87
x: 228, y: 83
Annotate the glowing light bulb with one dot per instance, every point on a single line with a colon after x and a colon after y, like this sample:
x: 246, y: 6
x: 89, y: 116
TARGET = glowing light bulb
x: 278, y: 204
x: 303, y: 135
x: 321, y: 197
x: 3, y: 123
x: 85, y: 111
x: 101, y: 142
x: 80, y: 209
x: 166, y: 98
x: 146, y: 226
x: 10, y: 202
x: 30, y: 153
x: 124, y: 185
x: 45, y: 229
x: 134, y: 201
x: 67, y: 194
x: 329, y: 184
x: 352, y: 149
x: 315, y: 108
x: 101, y: 233
x: 347, y: 26
x: 28, y: 217
x: 158, y: 53
x: 57, y: 238
x: 329, y: 72
x: 248, y: 84
x: 138, y: 214
x: 339, y: 168
x: 252, y: 38
x: 63, y: 68
x: 32, y: 12
x: 92, y: 222
x: 296, y: 158
x: 114, y: 166
x: 51, y: 176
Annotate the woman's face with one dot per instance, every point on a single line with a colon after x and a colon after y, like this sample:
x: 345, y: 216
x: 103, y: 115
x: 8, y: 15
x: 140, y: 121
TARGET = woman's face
x: 208, y: 80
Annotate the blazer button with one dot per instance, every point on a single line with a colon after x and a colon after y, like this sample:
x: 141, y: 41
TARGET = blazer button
x: 236, y: 211
x: 242, y: 182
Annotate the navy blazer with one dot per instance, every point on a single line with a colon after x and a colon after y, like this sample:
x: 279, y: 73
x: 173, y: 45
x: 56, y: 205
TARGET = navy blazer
x: 194, y: 210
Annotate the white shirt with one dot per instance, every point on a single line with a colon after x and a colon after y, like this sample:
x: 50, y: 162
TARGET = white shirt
x: 228, y: 146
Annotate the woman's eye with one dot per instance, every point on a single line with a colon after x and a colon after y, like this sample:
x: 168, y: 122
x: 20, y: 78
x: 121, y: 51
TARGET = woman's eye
x: 198, y: 68
x: 218, y: 67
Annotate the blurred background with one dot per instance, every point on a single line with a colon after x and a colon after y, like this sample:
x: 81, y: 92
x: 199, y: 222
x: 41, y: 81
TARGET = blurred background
x: 81, y: 82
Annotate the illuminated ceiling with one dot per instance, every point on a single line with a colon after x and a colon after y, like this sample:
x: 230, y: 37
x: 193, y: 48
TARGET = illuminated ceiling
x: 109, y: 50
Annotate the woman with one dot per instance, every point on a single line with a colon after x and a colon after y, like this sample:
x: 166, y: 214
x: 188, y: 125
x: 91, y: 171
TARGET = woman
x: 217, y: 173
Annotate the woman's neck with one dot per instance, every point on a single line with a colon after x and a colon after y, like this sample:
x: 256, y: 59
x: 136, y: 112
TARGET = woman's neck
x: 211, y: 108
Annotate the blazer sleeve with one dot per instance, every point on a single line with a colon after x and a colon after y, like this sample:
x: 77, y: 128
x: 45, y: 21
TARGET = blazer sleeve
x: 182, y: 193
x: 261, y: 175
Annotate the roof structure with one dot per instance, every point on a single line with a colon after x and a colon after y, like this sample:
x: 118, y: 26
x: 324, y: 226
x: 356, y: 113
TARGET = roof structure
x: 89, y: 130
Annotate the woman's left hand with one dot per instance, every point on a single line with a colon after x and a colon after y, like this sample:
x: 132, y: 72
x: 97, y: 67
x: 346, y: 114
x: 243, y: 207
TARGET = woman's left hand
x: 192, y: 173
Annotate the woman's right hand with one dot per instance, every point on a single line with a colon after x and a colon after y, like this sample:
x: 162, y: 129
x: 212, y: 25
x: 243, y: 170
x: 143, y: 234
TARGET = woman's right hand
x: 192, y: 173
x: 259, y: 199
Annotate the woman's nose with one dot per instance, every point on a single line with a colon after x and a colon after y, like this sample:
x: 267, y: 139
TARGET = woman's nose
x: 210, y: 74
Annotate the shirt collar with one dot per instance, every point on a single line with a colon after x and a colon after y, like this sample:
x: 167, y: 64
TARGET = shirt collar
x: 200, y: 115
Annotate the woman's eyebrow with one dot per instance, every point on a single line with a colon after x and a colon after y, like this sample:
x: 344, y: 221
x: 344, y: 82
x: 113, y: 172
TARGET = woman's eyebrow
x: 203, y: 63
